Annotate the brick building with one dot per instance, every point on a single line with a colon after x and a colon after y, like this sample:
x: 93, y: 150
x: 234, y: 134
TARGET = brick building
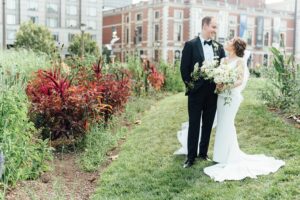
x: 159, y: 28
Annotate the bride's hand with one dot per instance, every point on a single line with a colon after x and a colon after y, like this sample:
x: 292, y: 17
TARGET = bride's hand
x: 220, y: 87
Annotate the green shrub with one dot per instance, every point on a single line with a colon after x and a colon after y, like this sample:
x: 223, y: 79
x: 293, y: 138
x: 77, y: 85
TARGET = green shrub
x: 173, y: 81
x: 90, y: 45
x: 135, y: 67
x: 282, y: 85
x: 76, y: 61
x: 35, y: 37
x: 25, y: 154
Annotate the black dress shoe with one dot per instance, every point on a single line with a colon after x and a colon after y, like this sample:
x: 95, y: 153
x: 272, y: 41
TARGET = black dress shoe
x: 188, y: 163
x: 206, y: 158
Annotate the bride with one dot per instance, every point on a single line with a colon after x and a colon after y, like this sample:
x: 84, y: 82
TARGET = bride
x: 232, y: 163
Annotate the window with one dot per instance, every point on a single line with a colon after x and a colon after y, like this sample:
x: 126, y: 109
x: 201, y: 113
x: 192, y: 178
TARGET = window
x: 34, y: 19
x: 156, y: 33
x: 138, y: 17
x: 156, y: 55
x: 71, y: 23
x: 156, y: 15
x: 177, y: 54
x: 232, y: 20
x: 231, y: 34
x: 70, y: 37
x: 11, y: 19
x: 94, y: 37
x: 138, y: 34
x: 282, y: 40
x: 52, y: 22
x: 127, y: 35
x: 55, y: 37
x: 92, y: 11
x: 178, y: 32
x: 33, y: 5
x: 178, y: 14
x: 11, y: 4
x: 11, y: 35
x: 266, y: 39
x: 72, y: 10
x: 127, y: 19
x: 249, y: 39
x: 266, y: 60
x: 52, y: 8
x: 91, y: 24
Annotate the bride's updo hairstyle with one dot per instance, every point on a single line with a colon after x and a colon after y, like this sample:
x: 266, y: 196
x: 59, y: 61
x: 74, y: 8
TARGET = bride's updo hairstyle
x: 239, y: 46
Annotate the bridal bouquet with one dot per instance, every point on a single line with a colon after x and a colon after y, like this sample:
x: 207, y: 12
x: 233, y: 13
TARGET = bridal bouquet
x: 206, y: 70
x: 227, y: 76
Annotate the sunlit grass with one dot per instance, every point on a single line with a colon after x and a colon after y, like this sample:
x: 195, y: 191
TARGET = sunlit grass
x: 147, y: 169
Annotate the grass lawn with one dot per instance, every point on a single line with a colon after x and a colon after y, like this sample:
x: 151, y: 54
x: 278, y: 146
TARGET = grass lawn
x: 146, y: 168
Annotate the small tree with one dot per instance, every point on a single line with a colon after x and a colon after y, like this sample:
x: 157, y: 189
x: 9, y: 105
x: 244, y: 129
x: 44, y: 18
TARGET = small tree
x: 35, y: 37
x: 90, y: 45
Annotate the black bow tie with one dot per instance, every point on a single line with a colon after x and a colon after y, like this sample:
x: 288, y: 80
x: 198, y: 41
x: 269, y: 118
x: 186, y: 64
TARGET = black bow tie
x: 208, y: 42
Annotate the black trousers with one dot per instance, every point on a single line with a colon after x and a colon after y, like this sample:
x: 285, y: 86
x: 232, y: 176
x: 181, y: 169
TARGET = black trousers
x: 202, y: 103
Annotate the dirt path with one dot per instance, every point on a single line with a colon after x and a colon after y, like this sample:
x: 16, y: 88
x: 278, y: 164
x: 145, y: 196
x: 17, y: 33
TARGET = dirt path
x: 66, y: 181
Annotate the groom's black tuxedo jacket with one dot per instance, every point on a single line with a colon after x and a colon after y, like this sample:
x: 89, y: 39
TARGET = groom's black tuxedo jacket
x: 193, y: 53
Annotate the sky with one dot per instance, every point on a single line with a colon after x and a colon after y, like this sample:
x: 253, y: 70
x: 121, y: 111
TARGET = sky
x: 267, y: 1
x: 273, y: 1
x: 136, y: 1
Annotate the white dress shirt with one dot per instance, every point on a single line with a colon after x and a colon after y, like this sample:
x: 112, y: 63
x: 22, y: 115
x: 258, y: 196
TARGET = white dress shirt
x: 207, y: 50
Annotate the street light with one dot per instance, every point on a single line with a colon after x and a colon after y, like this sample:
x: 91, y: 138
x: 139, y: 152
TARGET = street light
x: 82, y: 29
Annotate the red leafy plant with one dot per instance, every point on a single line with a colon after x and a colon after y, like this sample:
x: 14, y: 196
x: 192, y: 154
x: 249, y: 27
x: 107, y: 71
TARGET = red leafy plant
x: 61, y: 109
x: 115, y: 83
x: 155, y: 78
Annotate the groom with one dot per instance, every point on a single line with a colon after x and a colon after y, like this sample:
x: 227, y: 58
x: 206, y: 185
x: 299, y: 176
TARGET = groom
x: 202, y: 101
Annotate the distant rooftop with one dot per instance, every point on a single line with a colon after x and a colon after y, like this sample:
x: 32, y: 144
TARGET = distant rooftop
x: 112, y: 4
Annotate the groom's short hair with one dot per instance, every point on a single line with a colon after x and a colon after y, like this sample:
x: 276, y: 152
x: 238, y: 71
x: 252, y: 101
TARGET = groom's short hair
x: 206, y: 20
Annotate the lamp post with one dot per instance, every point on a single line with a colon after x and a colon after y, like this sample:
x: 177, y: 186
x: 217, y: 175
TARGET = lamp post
x: 3, y: 25
x: 82, y: 29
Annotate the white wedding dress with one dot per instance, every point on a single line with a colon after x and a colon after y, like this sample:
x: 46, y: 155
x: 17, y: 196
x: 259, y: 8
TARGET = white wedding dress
x: 232, y: 163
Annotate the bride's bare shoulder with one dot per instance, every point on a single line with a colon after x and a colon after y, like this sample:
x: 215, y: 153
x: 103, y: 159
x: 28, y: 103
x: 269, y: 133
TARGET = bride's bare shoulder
x: 224, y: 60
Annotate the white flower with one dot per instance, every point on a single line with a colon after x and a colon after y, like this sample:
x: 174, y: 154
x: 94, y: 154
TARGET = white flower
x: 196, y: 67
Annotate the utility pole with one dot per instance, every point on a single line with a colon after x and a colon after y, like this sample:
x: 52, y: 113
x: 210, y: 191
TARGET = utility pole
x: 3, y: 25
x: 295, y: 27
